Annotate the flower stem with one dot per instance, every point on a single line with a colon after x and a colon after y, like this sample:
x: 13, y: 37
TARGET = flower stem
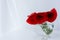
x: 46, y: 29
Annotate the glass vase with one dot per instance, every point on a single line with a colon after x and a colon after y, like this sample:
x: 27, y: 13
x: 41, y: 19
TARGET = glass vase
x: 47, y: 29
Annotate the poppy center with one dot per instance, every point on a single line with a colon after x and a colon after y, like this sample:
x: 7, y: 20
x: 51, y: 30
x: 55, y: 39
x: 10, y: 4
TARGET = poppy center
x: 39, y: 17
x: 50, y: 15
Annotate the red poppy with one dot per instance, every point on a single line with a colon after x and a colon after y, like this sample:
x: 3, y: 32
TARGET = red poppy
x: 37, y: 18
x: 52, y: 15
x: 32, y: 18
x: 41, y: 17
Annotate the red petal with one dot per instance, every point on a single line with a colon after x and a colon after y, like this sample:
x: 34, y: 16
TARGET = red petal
x: 32, y: 19
x: 53, y: 16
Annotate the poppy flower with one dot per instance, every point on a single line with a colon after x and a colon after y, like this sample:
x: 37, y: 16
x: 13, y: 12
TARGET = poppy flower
x: 41, y: 17
x: 32, y: 18
x: 51, y: 15
x: 36, y: 18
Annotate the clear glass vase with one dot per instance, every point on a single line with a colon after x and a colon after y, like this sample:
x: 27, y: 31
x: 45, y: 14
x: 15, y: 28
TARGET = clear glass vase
x: 45, y: 32
x: 47, y: 29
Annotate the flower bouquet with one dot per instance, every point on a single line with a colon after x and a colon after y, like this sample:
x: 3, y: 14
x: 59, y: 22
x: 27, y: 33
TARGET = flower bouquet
x: 42, y: 19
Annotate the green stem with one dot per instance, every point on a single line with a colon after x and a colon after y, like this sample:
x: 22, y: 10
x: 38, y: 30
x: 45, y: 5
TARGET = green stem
x: 46, y: 29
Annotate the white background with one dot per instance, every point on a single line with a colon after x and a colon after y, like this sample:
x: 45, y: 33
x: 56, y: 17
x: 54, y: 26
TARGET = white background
x: 13, y: 15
